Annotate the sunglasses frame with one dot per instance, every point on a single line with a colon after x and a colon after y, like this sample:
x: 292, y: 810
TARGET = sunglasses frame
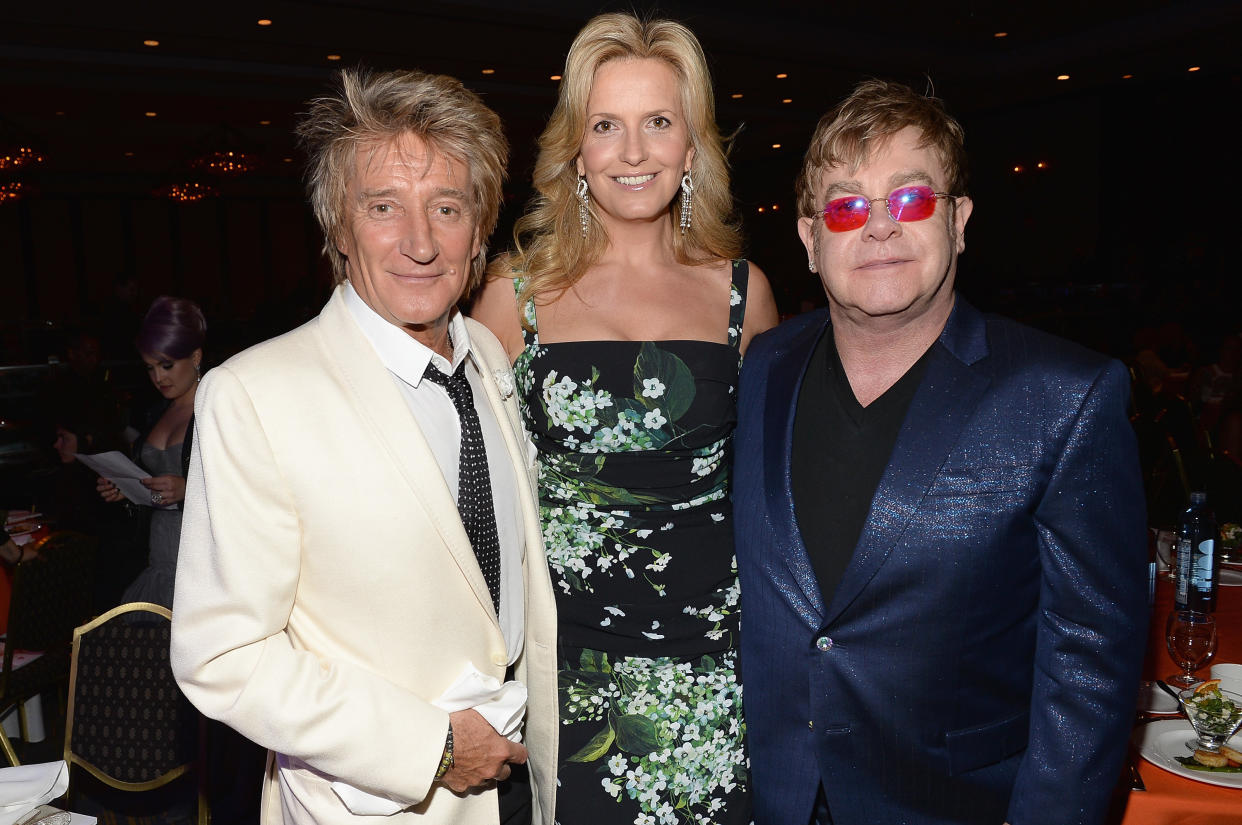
x: 888, y: 207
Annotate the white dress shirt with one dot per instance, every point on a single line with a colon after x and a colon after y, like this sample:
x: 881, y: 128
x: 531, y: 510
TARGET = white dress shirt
x: 433, y: 410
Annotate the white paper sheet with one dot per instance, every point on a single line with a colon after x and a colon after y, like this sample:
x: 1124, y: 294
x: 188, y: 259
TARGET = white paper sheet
x: 125, y: 474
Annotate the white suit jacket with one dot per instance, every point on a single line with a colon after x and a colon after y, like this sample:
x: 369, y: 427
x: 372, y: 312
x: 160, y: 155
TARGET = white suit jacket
x: 326, y: 589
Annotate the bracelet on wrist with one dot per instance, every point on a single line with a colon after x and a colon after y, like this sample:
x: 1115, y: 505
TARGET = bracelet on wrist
x: 446, y: 759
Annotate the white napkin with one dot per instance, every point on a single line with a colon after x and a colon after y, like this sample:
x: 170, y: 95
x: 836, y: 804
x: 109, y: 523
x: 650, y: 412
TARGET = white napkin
x: 503, y: 705
x: 26, y: 787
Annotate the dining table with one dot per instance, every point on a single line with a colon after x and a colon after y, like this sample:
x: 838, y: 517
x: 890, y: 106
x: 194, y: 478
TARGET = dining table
x: 24, y: 527
x: 1171, y: 799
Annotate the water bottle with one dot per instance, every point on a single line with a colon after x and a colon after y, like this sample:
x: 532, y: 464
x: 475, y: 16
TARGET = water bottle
x: 1198, y: 562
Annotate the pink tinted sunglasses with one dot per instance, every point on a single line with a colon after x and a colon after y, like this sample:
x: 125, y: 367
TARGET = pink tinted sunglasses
x: 904, y: 204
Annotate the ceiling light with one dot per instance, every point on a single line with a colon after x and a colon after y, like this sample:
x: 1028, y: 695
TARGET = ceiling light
x: 776, y: 207
x: 10, y: 190
x: 18, y: 157
x: 1041, y: 165
x: 1193, y: 69
x: 287, y: 160
x: 187, y: 191
x: 1017, y: 169
x: 787, y: 100
x: 776, y: 146
x: 781, y: 76
x: 149, y: 114
x: 263, y: 21
x: 1126, y: 76
x: 265, y: 123
x: 489, y: 71
x: 1062, y: 77
x: 761, y: 209
x: 736, y: 95
x: 1001, y: 34
x: 554, y: 77
x: 334, y: 57
x: 129, y: 154
x: 226, y: 163
x: 150, y: 42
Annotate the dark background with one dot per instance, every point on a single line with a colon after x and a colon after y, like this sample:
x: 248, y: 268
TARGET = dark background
x: 1128, y: 223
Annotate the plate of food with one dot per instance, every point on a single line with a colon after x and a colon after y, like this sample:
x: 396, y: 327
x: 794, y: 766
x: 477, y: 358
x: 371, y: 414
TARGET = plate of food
x: 17, y: 516
x: 1167, y: 742
x: 1205, y: 752
x: 23, y: 525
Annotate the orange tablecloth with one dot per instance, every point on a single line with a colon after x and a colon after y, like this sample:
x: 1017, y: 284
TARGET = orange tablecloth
x: 1171, y: 799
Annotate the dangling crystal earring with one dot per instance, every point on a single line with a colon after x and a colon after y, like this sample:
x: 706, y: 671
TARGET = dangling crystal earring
x: 584, y: 212
x: 810, y: 265
x: 687, y: 201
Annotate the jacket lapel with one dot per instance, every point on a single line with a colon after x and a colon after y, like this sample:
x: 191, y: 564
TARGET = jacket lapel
x: 781, y: 402
x: 383, y: 411
x: 951, y: 389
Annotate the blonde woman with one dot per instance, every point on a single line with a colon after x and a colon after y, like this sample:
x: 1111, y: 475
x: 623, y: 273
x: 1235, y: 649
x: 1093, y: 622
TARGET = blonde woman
x: 626, y: 309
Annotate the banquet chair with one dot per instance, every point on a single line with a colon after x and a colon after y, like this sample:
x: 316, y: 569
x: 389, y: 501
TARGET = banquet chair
x: 128, y: 723
x: 52, y: 594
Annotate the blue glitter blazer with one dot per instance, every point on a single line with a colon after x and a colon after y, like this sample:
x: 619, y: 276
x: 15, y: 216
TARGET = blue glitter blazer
x: 979, y: 661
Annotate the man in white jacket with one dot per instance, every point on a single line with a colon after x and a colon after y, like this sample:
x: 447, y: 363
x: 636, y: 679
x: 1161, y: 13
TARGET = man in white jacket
x: 361, y: 565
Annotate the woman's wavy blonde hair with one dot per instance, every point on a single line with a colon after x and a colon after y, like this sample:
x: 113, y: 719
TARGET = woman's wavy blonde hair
x: 550, y: 251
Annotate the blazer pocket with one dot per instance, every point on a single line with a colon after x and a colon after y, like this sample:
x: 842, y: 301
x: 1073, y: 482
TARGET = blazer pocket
x: 981, y: 745
x: 978, y: 481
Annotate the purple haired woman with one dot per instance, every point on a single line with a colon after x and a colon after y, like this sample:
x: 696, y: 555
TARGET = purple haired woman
x: 170, y: 342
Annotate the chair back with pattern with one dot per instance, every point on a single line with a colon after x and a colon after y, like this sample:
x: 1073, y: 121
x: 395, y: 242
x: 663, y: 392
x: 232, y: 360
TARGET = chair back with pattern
x: 128, y: 724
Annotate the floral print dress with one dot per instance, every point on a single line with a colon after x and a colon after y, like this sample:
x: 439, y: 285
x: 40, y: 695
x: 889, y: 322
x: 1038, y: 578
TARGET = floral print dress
x: 635, y: 441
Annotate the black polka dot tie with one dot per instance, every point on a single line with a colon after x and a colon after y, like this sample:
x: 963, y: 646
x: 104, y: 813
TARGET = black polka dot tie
x: 474, y: 482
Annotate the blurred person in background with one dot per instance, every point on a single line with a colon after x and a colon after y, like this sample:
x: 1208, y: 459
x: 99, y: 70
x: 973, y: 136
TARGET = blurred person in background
x: 170, y: 342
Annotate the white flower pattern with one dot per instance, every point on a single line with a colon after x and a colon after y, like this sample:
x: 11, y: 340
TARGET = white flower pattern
x: 653, y: 388
x: 665, y: 734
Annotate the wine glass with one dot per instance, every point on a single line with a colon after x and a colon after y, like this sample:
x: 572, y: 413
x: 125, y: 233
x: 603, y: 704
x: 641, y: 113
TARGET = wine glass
x: 1191, y: 638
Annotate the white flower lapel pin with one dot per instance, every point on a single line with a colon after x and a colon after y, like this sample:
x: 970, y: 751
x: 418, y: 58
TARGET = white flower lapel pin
x: 504, y: 382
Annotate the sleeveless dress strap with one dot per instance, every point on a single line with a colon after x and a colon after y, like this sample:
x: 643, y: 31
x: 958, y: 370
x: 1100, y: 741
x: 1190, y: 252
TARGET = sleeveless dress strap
x: 528, y: 312
x: 737, y: 300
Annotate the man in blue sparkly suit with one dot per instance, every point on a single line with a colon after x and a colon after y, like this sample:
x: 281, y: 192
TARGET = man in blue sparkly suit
x: 939, y: 514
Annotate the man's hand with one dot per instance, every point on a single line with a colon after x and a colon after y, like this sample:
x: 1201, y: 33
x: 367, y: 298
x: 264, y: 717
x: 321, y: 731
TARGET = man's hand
x: 480, y: 755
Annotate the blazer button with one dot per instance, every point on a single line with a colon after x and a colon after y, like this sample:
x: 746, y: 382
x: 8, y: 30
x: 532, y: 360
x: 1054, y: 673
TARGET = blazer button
x: 824, y: 644
x: 500, y: 659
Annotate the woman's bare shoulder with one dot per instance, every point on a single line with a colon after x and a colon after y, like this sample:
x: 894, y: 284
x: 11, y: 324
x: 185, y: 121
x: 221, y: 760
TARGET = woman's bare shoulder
x: 495, y: 306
